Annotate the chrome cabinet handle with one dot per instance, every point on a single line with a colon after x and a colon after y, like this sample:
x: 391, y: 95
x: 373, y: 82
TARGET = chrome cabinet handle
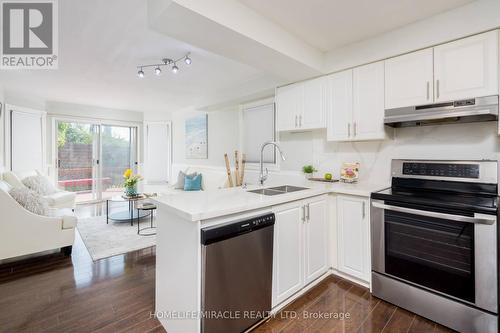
x: 460, y: 218
x: 349, y: 129
x: 355, y: 127
x: 428, y: 90
x: 300, y: 121
x: 296, y: 120
x: 364, y: 209
x: 303, y: 213
x: 308, y: 212
x: 437, y: 88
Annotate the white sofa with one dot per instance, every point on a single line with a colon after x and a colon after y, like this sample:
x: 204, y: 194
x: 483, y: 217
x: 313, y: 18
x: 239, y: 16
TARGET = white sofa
x: 24, y: 233
x: 212, y: 179
x: 59, y: 199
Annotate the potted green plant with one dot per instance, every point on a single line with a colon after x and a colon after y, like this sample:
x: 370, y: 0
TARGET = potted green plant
x: 308, y: 170
x: 130, y: 183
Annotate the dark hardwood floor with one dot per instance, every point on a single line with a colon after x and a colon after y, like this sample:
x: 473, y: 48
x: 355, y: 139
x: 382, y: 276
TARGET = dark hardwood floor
x: 338, y: 296
x: 61, y: 294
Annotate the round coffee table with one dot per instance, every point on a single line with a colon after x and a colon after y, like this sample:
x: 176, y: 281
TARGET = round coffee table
x: 126, y: 215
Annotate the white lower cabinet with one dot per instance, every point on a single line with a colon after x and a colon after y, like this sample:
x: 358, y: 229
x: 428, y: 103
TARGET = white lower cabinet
x: 353, y: 236
x: 287, y: 263
x: 316, y: 239
x: 300, y: 246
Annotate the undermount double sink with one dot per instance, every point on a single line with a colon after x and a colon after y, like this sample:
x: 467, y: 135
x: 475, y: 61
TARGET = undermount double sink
x: 278, y: 190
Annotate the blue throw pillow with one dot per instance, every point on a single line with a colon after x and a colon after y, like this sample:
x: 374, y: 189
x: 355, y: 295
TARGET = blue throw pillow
x: 192, y: 183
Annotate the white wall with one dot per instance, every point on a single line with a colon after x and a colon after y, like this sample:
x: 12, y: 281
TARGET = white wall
x: 31, y: 101
x: 60, y: 109
x: 222, y: 136
x: 157, y: 116
x: 476, y: 17
x: 459, y: 141
x: 75, y: 111
x: 95, y: 112
x: 297, y: 148
x: 465, y: 141
x: 2, y: 129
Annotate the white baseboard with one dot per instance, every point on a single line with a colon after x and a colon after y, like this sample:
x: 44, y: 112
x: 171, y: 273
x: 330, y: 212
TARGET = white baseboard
x: 350, y: 278
x: 299, y: 293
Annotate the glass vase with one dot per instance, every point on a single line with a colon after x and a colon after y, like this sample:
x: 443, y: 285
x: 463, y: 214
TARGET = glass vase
x: 131, y: 191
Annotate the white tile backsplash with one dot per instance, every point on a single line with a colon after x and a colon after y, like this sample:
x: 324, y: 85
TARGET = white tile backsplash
x: 456, y: 142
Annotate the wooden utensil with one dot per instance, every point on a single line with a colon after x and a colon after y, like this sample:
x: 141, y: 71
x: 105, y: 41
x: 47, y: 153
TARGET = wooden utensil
x: 243, y: 162
x: 228, y: 170
x: 237, y: 168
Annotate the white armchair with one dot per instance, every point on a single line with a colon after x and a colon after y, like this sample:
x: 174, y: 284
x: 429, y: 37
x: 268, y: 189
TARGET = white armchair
x: 58, y: 199
x: 23, y: 233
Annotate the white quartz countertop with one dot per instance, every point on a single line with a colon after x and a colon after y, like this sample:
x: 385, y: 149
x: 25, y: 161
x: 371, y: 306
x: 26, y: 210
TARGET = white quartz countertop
x: 204, y: 205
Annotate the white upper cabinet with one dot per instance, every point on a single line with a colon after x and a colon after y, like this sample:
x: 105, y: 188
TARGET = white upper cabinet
x: 301, y: 106
x: 313, y: 114
x: 467, y: 68
x: 356, y: 104
x: 462, y: 69
x: 339, y: 92
x: 409, y: 79
x: 368, y: 105
x: 288, y: 106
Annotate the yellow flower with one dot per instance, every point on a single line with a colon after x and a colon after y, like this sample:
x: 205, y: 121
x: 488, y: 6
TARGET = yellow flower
x: 127, y: 173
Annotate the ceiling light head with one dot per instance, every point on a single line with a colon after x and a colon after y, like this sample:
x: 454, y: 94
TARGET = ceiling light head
x: 187, y: 60
x: 140, y: 73
x: 167, y: 61
x: 158, y: 70
x: 175, y: 69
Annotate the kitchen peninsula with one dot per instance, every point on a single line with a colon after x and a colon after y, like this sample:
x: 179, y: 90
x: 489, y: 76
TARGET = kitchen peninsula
x: 309, y: 242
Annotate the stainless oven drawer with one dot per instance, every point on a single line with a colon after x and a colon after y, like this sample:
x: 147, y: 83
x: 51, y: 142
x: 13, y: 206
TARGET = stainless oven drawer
x: 439, y: 309
x: 449, y: 254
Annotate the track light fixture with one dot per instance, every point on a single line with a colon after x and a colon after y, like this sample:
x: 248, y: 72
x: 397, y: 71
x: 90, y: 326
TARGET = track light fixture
x: 165, y: 62
x: 140, y: 73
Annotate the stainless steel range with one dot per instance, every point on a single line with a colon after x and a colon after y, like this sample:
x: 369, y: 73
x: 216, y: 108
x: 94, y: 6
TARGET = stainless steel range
x: 434, y: 242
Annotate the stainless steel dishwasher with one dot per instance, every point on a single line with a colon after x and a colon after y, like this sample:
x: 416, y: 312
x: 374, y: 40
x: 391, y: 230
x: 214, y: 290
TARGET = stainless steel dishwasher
x: 237, y: 265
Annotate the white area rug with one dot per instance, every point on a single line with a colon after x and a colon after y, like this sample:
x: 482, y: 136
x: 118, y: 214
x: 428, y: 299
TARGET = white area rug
x: 105, y: 240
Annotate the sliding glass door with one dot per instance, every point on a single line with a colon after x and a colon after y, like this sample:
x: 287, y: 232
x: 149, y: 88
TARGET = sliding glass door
x: 91, y: 158
x: 118, y: 153
x: 77, y: 154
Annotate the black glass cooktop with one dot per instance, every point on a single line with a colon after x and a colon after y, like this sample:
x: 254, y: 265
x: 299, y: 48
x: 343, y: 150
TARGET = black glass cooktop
x: 479, y: 203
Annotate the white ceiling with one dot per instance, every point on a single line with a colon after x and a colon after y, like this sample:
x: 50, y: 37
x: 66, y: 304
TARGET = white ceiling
x: 327, y: 24
x: 101, y: 42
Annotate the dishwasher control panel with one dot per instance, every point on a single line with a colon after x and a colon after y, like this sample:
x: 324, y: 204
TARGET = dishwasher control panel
x: 218, y: 233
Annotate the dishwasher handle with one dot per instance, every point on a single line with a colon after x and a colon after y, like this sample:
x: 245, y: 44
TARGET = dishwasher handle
x: 225, y: 231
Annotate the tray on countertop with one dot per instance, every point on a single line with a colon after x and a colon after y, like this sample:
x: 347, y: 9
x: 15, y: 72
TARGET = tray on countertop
x: 323, y: 180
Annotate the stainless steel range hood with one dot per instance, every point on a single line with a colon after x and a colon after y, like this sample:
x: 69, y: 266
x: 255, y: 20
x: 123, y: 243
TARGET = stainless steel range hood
x: 462, y: 111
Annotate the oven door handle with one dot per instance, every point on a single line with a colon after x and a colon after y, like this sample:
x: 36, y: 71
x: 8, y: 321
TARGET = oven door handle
x: 478, y: 218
